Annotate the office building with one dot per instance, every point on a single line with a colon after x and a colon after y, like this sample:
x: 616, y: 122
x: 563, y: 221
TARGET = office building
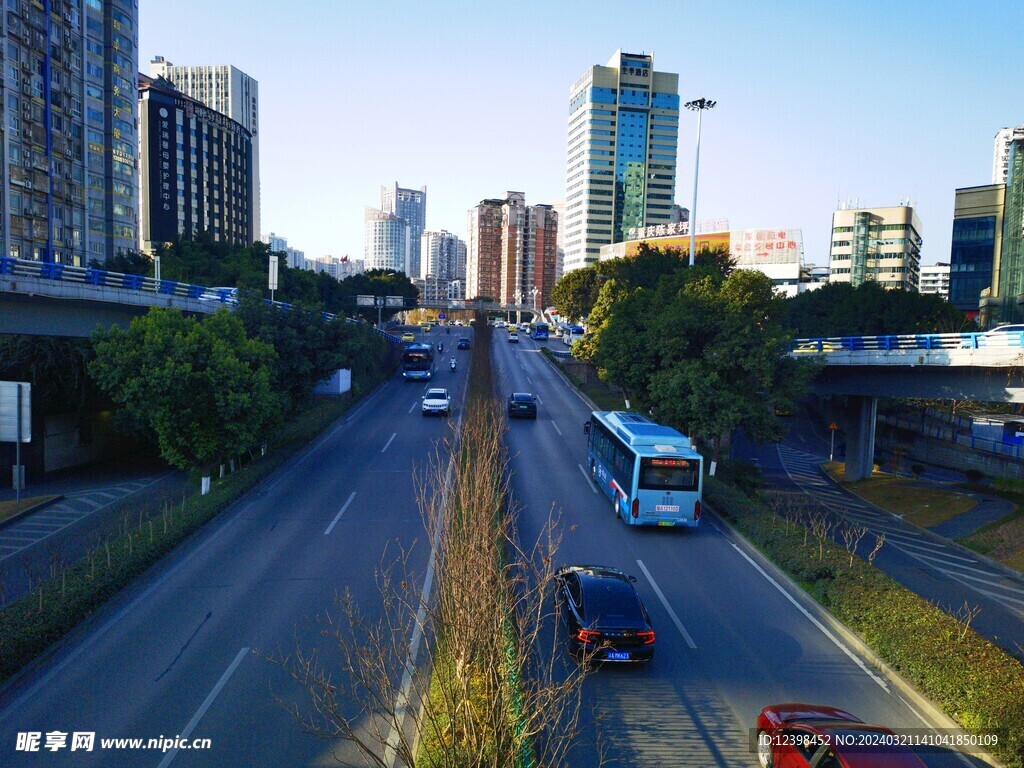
x: 68, y: 180
x: 1001, y: 152
x: 195, y: 169
x: 777, y: 253
x: 974, y: 254
x: 228, y: 90
x: 935, y: 279
x: 337, y: 267
x: 621, y: 169
x: 386, y: 241
x: 876, y: 244
x: 411, y: 205
x: 295, y: 259
x: 1004, y: 303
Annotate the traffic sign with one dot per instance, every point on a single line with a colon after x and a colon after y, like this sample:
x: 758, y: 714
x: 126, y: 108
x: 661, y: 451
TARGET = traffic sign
x: 440, y: 315
x: 833, y: 426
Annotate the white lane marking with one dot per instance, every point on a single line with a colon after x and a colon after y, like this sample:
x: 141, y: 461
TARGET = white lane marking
x: 412, y: 407
x: 664, y: 602
x: 388, y: 443
x: 585, y: 475
x: 529, y: 379
x: 998, y: 585
x: 404, y: 693
x: 824, y: 630
x: 932, y: 550
x: 205, y: 705
x: 341, y: 512
x: 556, y: 428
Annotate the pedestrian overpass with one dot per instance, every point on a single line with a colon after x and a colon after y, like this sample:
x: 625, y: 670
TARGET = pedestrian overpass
x: 986, y: 367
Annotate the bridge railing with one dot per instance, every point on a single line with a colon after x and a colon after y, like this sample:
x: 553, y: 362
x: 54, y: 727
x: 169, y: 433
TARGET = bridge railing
x: 102, y: 278
x: 911, y: 341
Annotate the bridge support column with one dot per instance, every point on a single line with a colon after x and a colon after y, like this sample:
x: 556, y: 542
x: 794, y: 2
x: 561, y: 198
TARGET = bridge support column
x: 861, y: 412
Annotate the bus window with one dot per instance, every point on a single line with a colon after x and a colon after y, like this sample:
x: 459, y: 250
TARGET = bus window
x: 669, y: 474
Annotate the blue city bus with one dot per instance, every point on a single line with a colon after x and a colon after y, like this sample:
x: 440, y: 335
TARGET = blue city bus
x: 418, y: 362
x: 539, y: 331
x: 650, y: 472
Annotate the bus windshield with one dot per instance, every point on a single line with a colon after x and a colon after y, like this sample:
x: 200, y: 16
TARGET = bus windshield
x: 418, y: 360
x: 669, y: 474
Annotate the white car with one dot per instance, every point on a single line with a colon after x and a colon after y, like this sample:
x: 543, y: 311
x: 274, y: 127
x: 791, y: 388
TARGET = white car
x: 223, y: 294
x: 437, y: 401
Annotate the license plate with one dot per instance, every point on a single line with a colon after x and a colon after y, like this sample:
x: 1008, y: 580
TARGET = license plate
x: 666, y: 522
x: 666, y: 508
x: 618, y: 656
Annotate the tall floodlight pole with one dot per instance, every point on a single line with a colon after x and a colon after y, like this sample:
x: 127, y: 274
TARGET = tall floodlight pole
x: 698, y: 106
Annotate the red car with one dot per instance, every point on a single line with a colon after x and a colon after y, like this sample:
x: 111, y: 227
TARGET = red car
x: 813, y: 736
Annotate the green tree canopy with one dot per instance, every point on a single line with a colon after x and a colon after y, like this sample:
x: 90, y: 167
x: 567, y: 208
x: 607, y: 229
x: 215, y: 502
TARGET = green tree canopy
x: 575, y: 293
x: 839, y: 309
x: 378, y: 282
x: 202, y: 387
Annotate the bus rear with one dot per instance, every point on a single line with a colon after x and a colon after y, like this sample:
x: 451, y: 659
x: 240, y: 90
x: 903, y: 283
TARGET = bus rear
x: 668, y: 489
x: 539, y: 331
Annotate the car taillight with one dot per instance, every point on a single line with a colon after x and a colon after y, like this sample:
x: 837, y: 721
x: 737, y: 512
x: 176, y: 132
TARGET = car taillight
x: 696, y: 510
x: 647, y: 637
x: 636, y: 507
x: 587, y: 635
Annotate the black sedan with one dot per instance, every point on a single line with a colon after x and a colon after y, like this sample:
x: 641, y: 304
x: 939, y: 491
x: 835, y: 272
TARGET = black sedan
x: 463, y: 343
x: 522, y: 405
x: 604, y: 615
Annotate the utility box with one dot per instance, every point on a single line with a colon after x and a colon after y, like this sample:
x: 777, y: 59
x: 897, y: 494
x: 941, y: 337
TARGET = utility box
x: 339, y: 383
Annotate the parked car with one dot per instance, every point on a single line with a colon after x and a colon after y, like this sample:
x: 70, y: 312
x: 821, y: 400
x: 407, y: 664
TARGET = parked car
x: 522, y: 405
x: 437, y: 402
x: 513, y: 337
x: 463, y: 343
x: 815, y: 736
x: 604, y: 616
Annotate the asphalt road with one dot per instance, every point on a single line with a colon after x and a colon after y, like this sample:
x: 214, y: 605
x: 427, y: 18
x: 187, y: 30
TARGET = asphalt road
x: 176, y: 653
x: 729, y: 639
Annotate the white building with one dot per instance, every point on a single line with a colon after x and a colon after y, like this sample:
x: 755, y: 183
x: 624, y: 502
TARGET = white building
x: 935, y: 279
x: 296, y: 259
x: 621, y: 169
x: 386, y: 241
x: 411, y: 205
x: 880, y: 245
x: 1001, y: 152
x: 338, y: 268
x: 228, y: 90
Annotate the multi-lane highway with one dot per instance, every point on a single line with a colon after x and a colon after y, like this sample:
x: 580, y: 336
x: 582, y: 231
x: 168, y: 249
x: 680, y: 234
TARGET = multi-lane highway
x: 731, y: 638
x: 174, y: 654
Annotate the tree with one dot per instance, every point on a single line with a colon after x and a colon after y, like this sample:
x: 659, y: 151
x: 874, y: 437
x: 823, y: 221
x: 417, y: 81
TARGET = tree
x: 201, y: 387
x: 378, y: 282
x: 575, y: 293
x: 130, y: 263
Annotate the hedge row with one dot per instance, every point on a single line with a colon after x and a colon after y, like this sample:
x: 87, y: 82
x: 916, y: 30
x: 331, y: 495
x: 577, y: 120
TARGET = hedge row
x: 34, y: 622
x: 976, y: 683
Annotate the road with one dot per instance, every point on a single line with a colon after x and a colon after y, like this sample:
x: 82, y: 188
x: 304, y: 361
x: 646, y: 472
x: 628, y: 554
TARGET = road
x: 730, y: 640
x: 176, y: 654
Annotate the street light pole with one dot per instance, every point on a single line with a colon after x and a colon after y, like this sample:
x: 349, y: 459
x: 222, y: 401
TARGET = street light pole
x: 698, y: 106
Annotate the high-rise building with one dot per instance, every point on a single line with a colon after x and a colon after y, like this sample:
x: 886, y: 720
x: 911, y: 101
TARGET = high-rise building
x: 1001, y: 152
x: 1008, y: 273
x: 225, y: 89
x: 68, y: 183
x: 876, y: 244
x: 443, y: 255
x: 386, y: 241
x: 296, y: 259
x: 411, y: 205
x: 195, y: 169
x: 483, y: 260
x: 935, y: 279
x: 621, y: 170
x: 974, y: 254
x: 559, y: 209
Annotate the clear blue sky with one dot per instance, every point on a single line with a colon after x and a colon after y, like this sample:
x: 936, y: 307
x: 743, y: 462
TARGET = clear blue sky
x: 817, y: 101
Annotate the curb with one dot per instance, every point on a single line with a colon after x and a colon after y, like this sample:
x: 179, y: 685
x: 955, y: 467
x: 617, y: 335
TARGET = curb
x: 29, y: 510
x: 925, y: 705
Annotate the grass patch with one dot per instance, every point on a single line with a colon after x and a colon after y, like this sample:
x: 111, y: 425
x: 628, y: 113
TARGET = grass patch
x: 1002, y: 540
x: 11, y: 508
x: 73, y: 591
x: 922, y: 505
x: 976, y: 683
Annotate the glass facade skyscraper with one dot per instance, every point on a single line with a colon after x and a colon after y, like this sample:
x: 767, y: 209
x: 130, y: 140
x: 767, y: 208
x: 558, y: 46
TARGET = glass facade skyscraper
x: 621, y: 170
x: 411, y: 205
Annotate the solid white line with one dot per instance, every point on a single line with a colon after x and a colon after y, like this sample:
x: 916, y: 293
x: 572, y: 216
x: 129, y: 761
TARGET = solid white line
x: 388, y: 443
x: 824, y: 630
x: 959, y: 574
x: 589, y: 481
x: 529, y: 379
x: 337, y: 517
x: 932, y: 549
x: 205, y: 705
x: 556, y: 428
x: 411, y: 407
x: 664, y: 602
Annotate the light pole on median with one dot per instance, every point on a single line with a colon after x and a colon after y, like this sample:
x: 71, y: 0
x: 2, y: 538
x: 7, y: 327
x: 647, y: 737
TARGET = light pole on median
x: 535, y: 291
x: 698, y: 106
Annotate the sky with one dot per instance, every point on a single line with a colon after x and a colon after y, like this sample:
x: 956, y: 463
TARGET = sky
x: 818, y: 102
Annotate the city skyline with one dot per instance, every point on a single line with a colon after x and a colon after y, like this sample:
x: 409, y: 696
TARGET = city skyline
x: 799, y: 125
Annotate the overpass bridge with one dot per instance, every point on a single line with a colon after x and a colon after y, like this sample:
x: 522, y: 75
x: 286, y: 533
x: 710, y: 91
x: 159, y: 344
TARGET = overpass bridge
x: 987, y: 367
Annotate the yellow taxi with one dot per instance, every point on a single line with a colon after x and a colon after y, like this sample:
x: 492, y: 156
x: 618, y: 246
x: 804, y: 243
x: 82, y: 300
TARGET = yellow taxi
x: 408, y: 337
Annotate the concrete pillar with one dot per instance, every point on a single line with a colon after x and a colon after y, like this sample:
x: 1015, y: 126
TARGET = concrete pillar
x: 860, y: 436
